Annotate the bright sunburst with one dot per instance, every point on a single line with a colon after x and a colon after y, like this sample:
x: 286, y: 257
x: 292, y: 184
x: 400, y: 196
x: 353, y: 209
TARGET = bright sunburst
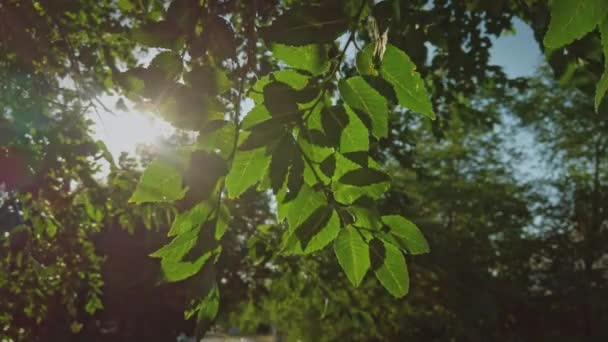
x: 123, y: 131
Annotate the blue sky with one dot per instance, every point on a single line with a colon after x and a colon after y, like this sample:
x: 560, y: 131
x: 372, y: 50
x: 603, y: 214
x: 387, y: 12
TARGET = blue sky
x: 518, y: 53
x: 520, y: 56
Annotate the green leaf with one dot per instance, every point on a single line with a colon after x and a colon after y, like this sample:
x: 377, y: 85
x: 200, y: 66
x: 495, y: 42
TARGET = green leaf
x: 295, y: 180
x: 390, y: 267
x: 292, y: 78
x: 328, y: 166
x: 400, y: 71
x: 176, y: 270
x: 314, y: 152
x: 347, y: 193
x: 281, y: 159
x: 301, y: 207
x: 179, y: 246
x: 247, y: 169
x: 312, y: 225
x: 312, y: 57
x: 257, y: 114
x: 184, y: 106
x: 263, y: 136
x: 355, y: 136
x: 160, y: 182
x: 602, y: 85
x: 190, y: 219
x: 353, y: 254
x: 604, y: 35
x: 220, y: 139
x: 571, y: 20
x: 223, y: 220
x: 364, y: 176
x: 366, y: 217
x: 280, y: 99
x: 208, y: 80
x: 313, y: 234
x: 203, y: 173
x: 207, y: 311
x: 365, y: 61
x: 125, y: 5
x: 365, y: 100
x: 334, y: 119
x: 407, y: 234
x: 303, y: 25
x: 288, y: 76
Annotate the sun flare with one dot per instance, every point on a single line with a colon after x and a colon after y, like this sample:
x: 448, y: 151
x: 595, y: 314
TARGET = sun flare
x: 123, y: 131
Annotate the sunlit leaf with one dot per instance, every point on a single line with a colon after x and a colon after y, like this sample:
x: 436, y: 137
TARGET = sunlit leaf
x: 208, y: 310
x: 311, y: 58
x: 407, y: 234
x: 208, y: 80
x: 257, y: 114
x: 247, y: 169
x: 223, y: 220
x: 353, y: 254
x: 176, y: 270
x: 190, y: 219
x: 318, y: 230
x: 390, y: 267
x: 281, y: 159
x: 400, y: 71
x: 364, y: 176
x: 160, y: 182
x: 365, y: 100
x: 179, y: 246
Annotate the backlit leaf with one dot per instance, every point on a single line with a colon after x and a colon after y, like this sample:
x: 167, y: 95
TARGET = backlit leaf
x: 312, y: 57
x: 363, y: 98
x: 353, y: 254
x: 390, y: 267
x: 263, y: 136
x: 365, y: 61
x: 281, y: 159
x: 208, y: 80
x: 364, y: 176
x: 176, y: 270
x: 407, y: 234
x: 208, y: 310
x: 400, y: 71
x: 190, y: 219
x: 160, y: 182
x: 247, y: 169
x: 316, y: 232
